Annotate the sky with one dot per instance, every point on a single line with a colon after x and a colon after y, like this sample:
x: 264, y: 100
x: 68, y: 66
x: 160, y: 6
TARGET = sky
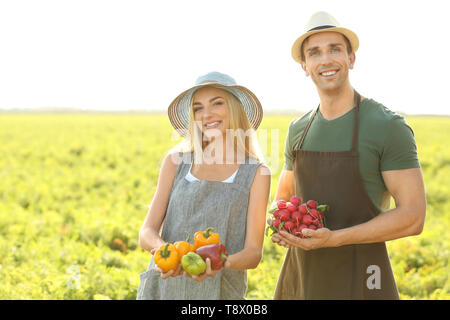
x: 139, y: 55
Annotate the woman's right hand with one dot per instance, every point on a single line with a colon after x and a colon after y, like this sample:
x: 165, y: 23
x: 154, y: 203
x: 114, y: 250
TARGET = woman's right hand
x: 171, y: 273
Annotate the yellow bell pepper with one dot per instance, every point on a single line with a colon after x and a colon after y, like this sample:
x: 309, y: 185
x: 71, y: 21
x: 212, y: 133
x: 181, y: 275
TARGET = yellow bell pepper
x: 184, y: 247
x: 203, y: 238
x: 166, y: 257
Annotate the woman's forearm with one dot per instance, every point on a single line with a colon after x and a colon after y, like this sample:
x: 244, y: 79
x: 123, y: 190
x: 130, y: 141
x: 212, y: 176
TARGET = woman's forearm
x: 245, y: 259
x: 149, y: 239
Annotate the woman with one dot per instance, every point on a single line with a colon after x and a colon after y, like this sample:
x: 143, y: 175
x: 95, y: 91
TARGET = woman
x: 217, y: 180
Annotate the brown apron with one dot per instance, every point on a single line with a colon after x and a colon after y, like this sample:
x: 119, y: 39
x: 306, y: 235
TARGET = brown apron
x: 357, y: 271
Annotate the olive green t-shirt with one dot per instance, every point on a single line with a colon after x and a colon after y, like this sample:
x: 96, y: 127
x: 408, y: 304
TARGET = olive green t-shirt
x: 386, y: 142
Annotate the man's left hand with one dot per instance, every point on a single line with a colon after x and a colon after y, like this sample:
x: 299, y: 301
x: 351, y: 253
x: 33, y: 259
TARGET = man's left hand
x: 316, y: 239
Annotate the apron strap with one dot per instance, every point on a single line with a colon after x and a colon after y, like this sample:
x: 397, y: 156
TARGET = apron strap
x: 357, y: 100
x: 302, y: 138
x: 354, y: 149
x: 246, y: 173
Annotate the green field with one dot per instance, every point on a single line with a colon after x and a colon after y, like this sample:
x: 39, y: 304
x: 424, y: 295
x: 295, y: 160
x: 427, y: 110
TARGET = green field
x: 74, y: 191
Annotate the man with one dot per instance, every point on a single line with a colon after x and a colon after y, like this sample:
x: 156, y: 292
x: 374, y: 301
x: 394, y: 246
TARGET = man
x: 352, y: 153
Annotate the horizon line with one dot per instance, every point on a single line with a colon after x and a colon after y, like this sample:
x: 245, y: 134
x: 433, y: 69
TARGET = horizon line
x: 73, y: 110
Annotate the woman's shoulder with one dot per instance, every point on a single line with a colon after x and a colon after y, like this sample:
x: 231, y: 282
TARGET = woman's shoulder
x: 175, y: 157
x: 261, y: 169
x: 260, y: 165
x: 172, y: 161
x: 263, y: 174
x: 261, y: 178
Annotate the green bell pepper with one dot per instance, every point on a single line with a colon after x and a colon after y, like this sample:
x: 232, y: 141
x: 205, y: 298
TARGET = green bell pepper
x: 193, y: 264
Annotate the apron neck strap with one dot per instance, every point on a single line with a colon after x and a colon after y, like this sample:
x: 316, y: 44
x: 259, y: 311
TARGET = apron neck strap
x: 357, y: 100
x: 311, y: 118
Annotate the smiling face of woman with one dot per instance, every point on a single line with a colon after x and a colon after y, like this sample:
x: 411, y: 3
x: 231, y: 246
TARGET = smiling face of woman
x: 211, y: 111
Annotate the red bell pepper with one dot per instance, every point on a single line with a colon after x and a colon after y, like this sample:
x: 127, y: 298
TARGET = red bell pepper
x: 217, y: 253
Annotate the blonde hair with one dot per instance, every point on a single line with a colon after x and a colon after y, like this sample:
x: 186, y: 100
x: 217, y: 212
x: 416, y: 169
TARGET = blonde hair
x: 244, y: 136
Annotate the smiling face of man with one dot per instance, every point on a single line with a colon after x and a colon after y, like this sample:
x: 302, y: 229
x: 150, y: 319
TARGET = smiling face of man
x: 327, y: 60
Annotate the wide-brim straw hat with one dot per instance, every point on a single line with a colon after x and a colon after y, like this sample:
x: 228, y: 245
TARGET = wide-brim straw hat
x: 179, y: 109
x: 322, y: 22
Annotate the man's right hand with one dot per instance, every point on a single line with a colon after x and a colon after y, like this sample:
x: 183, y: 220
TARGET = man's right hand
x: 285, y: 190
x: 276, y: 237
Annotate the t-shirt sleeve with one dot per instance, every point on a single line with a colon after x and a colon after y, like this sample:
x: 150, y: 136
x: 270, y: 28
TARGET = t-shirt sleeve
x: 400, y: 151
x: 288, y: 158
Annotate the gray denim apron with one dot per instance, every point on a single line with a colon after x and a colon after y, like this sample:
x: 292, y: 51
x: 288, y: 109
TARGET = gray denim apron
x: 346, y: 272
x: 195, y: 206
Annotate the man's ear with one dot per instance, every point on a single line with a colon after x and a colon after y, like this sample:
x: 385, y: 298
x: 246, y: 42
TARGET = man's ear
x: 304, y: 68
x: 352, y: 58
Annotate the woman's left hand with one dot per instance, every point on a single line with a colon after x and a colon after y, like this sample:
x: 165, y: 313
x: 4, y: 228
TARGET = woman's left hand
x: 209, y: 272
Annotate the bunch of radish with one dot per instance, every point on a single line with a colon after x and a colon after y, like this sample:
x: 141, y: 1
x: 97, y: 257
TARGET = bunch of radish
x: 293, y: 216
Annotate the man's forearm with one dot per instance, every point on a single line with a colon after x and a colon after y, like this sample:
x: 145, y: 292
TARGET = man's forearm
x: 389, y: 225
x: 283, y: 196
x: 286, y: 188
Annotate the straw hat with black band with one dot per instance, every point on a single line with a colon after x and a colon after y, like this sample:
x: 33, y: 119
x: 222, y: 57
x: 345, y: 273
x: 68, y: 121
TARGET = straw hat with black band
x: 179, y: 109
x: 322, y: 22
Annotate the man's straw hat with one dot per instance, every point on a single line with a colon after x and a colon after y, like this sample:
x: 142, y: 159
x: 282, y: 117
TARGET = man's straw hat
x: 322, y: 22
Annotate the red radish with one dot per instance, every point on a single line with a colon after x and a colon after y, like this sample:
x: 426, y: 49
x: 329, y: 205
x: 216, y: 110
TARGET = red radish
x: 303, y: 209
x: 296, y: 232
x: 296, y: 201
x: 281, y: 204
x: 276, y: 213
x: 300, y: 228
x: 311, y: 204
x: 289, y: 225
x: 314, y: 213
x: 284, y: 214
x: 296, y: 217
x: 307, y: 219
x: 276, y: 223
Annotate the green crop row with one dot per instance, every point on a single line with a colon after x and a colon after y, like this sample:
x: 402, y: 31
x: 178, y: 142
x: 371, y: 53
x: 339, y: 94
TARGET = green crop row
x: 74, y: 191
